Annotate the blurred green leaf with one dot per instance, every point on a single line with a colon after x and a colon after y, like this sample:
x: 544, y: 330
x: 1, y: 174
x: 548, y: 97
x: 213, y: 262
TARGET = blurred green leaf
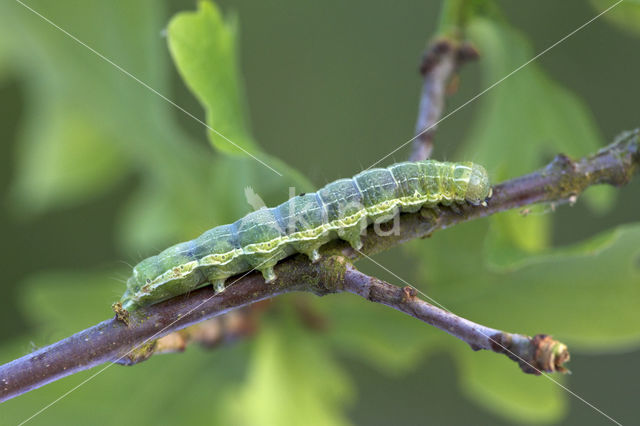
x: 148, y: 221
x: 506, y: 259
x: 87, y: 125
x: 625, y: 15
x: 204, y: 49
x: 53, y: 299
x: 558, y: 292
x: 389, y: 340
x: 203, y: 46
x: 495, y: 383
x: 524, y: 120
x: 292, y: 380
x: 65, y: 158
x: 81, y: 113
x: 567, y: 292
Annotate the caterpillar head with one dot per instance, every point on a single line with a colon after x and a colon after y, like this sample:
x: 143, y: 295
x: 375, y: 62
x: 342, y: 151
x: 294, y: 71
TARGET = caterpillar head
x: 479, y: 188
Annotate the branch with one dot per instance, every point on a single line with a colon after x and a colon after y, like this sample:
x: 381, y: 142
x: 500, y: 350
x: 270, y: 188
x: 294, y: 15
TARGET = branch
x: 112, y: 340
x: 440, y: 63
x: 534, y: 355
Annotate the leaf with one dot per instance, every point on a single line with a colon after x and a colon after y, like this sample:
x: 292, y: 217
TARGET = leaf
x: 625, y: 15
x: 80, y: 138
x: 506, y: 259
x: 147, y: 221
x: 203, y: 47
x: 52, y: 298
x: 84, y: 120
x: 292, y: 380
x: 81, y: 154
x: 523, y: 120
x: 389, y: 340
x: 585, y: 295
x: 65, y: 159
x: 506, y: 391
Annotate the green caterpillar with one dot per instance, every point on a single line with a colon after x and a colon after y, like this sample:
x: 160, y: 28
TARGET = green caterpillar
x: 342, y: 209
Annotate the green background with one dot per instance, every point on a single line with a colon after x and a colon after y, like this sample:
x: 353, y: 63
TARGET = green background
x: 331, y: 86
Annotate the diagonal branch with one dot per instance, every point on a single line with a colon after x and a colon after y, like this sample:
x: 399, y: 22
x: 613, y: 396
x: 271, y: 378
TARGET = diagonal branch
x: 112, y: 340
x: 534, y: 354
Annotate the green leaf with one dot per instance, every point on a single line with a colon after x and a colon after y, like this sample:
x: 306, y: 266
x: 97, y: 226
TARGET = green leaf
x: 147, y: 221
x: 53, y: 299
x: 65, y: 158
x: 292, y: 380
x: 625, y: 15
x: 86, y: 124
x: 204, y: 48
x: 585, y: 295
x: 494, y: 382
x: 521, y: 122
x: 504, y: 258
x: 79, y: 138
x: 83, y: 119
x: 557, y: 292
x: 389, y: 340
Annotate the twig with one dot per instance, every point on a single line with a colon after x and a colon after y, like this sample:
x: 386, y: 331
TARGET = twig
x: 111, y: 340
x: 534, y: 354
x: 440, y: 63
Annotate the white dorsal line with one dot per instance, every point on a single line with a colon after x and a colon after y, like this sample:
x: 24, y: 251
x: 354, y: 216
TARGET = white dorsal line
x: 497, y: 343
x: 128, y: 74
x: 157, y: 334
x: 496, y: 83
